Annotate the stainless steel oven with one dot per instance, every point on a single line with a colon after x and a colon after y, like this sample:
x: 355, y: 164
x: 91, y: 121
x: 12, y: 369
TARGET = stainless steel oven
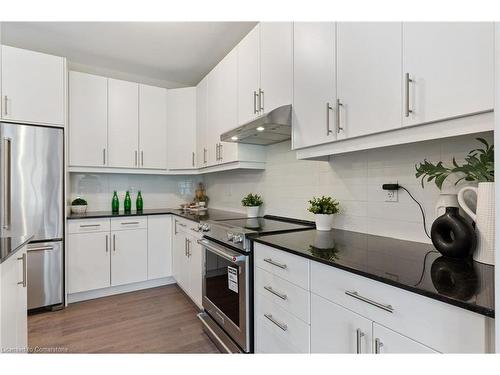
x: 226, y: 295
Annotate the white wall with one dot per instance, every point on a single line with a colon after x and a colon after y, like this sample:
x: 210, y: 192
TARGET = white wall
x: 157, y: 191
x: 355, y: 179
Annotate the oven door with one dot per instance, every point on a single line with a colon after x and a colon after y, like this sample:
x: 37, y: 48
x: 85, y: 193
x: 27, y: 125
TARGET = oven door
x: 225, y: 290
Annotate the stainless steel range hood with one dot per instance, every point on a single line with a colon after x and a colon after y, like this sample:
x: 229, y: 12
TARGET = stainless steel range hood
x: 271, y: 127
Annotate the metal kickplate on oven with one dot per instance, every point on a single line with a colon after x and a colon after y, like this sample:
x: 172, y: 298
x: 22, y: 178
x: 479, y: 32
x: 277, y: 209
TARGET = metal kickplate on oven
x: 232, y: 278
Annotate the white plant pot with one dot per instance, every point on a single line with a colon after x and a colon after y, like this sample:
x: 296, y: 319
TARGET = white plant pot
x: 484, y: 218
x: 323, y: 222
x: 253, y: 211
x: 79, y: 209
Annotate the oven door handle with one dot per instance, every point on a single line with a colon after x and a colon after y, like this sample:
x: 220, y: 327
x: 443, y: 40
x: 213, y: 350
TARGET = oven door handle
x: 229, y: 255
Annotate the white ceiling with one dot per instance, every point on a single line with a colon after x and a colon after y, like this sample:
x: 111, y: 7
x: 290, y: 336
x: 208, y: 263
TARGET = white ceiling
x: 171, y: 54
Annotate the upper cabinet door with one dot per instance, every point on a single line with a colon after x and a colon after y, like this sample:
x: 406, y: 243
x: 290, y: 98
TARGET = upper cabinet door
x: 202, y: 146
x: 123, y: 123
x: 152, y: 127
x: 248, y: 76
x: 181, y: 128
x: 368, y: 77
x: 314, y: 83
x: 450, y: 67
x: 276, y: 64
x: 88, y: 120
x: 32, y: 87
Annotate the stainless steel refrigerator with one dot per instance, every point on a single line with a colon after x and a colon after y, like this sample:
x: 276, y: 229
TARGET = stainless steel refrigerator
x: 31, y: 202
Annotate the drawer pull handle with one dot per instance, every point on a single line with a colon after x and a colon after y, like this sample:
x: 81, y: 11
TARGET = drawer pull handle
x: 378, y: 345
x: 89, y: 225
x: 354, y: 294
x: 277, y: 294
x: 359, y: 335
x: 270, y: 261
x: 283, y: 326
x: 131, y: 223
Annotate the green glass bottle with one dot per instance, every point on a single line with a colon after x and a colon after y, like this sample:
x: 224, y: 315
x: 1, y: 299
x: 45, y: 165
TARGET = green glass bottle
x: 115, y: 203
x: 139, y: 203
x: 127, y: 203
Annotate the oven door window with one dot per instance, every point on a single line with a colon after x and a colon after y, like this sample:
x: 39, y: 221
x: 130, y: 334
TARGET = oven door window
x: 222, y: 281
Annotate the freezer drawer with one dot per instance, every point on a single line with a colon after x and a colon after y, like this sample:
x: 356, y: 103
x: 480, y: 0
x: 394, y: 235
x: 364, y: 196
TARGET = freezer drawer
x: 45, y: 274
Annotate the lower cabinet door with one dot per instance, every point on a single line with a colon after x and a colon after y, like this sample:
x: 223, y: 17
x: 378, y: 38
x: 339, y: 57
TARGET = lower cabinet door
x: 159, y: 246
x: 22, y: 299
x: 388, y: 341
x: 88, y: 261
x: 335, y: 329
x: 129, y: 257
x: 195, y: 254
x: 180, y: 259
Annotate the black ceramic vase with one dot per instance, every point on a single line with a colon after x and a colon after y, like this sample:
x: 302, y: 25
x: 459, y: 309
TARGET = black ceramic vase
x: 452, y: 235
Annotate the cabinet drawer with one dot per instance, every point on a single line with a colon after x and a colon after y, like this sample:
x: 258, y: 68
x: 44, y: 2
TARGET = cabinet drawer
x: 441, y: 326
x: 278, y: 331
x: 125, y: 223
x: 88, y: 225
x: 285, y: 265
x: 285, y: 294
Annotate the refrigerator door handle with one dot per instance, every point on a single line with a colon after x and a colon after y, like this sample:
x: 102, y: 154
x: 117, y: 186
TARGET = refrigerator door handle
x: 6, y: 191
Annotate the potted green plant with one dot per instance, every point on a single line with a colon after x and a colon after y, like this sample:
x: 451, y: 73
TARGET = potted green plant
x: 478, y: 167
x: 323, y: 209
x: 79, y: 206
x: 252, y: 202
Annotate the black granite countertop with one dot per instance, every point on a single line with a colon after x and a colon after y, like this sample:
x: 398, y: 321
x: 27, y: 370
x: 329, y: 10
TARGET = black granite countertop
x: 413, y: 266
x: 210, y: 214
x: 10, y: 245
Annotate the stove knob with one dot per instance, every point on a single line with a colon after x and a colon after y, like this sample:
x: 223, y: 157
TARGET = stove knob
x: 230, y: 236
x: 200, y: 226
x: 205, y: 227
x: 238, y: 238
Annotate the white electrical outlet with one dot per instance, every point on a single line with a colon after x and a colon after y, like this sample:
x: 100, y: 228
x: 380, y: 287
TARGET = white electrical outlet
x: 391, y: 195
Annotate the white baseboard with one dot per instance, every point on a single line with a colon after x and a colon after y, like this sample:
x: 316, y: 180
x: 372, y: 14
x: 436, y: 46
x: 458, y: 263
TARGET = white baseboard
x: 98, y: 293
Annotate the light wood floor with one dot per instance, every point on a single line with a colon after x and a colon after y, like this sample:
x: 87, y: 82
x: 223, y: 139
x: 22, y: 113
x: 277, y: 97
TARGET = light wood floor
x: 158, y: 320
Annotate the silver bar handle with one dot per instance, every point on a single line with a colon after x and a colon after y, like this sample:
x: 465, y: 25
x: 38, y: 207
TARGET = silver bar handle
x: 408, y: 80
x: 261, y: 100
x: 103, y: 156
x: 107, y: 238
x: 220, y: 151
x: 89, y: 225
x: 280, y: 265
x: 40, y: 248
x: 255, y: 95
x: 24, y: 282
x: 193, y: 159
x: 378, y: 345
x: 283, y: 326
x: 185, y: 247
x: 114, y: 242
x: 359, y: 335
x: 231, y: 256
x: 5, y: 102
x: 182, y: 224
x: 142, y: 158
x: 204, y: 156
x: 217, y: 151
x: 354, y: 294
x: 339, y: 104
x: 328, y: 109
x: 7, y: 192
x: 130, y: 223
x: 135, y: 152
x: 277, y: 294
x: 189, y: 248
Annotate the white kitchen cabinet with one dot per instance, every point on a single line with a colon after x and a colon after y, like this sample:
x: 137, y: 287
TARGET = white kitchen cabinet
x: 179, y: 256
x: 249, y: 76
x: 195, y: 256
x: 387, y: 341
x: 33, y: 87
x: 202, y: 145
x: 181, y: 128
x: 88, y: 120
x: 276, y: 64
x: 159, y: 246
x: 335, y: 329
x: 451, y: 68
x: 129, y: 258
x: 368, y: 77
x: 152, y: 127
x: 14, y: 303
x: 89, y: 260
x: 314, y: 86
x: 123, y: 124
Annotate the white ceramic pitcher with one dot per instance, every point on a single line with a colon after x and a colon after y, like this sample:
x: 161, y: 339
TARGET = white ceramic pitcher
x: 484, y: 218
